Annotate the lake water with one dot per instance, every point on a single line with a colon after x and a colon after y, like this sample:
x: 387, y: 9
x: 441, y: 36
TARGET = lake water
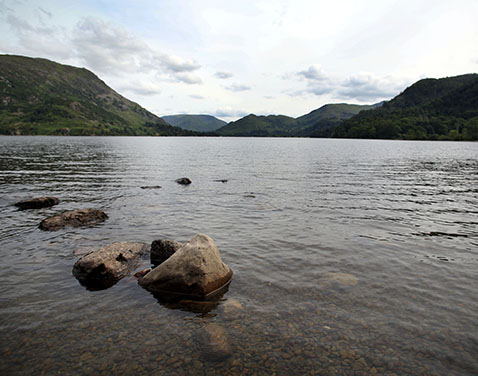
x: 350, y: 257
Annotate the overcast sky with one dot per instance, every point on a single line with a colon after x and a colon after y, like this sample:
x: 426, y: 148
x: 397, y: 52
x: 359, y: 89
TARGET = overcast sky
x: 231, y: 58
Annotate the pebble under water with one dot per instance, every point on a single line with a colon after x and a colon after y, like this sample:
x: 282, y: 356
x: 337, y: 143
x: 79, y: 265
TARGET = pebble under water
x: 350, y: 257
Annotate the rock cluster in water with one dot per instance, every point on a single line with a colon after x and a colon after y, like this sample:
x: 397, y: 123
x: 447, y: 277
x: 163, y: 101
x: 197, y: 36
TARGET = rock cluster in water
x: 73, y: 218
x: 106, y: 266
x: 194, y: 271
x: 37, y: 203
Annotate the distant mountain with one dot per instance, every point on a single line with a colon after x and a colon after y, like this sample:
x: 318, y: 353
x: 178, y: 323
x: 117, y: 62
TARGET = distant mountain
x: 328, y: 116
x: 38, y: 96
x: 260, y: 126
x: 443, y: 109
x: 199, y: 123
x: 284, y: 126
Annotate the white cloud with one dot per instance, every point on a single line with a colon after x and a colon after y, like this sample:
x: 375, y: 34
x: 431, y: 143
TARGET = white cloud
x: 314, y: 73
x: 143, y: 88
x: 237, y: 87
x: 223, y: 75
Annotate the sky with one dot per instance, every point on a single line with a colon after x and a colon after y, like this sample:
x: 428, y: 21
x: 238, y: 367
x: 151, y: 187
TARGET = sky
x: 231, y: 58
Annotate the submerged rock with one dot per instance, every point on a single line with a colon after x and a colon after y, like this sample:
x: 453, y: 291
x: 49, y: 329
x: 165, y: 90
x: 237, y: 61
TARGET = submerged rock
x: 163, y: 249
x: 198, y: 306
x: 343, y: 279
x: 194, y: 271
x: 183, y: 181
x: 73, y: 218
x: 106, y: 266
x: 232, y: 309
x: 213, y: 342
x: 37, y: 203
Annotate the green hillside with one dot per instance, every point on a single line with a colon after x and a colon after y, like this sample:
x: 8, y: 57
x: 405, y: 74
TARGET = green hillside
x: 328, y: 116
x: 41, y: 97
x: 261, y: 126
x: 284, y: 126
x: 198, y: 123
x: 430, y: 109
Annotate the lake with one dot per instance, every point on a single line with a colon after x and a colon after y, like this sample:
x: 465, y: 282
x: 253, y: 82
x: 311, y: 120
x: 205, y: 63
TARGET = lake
x: 350, y: 257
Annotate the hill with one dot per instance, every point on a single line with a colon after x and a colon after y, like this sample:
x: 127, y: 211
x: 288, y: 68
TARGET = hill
x: 430, y: 109
x: 198, y: 123
x: 41, y: 97
x: 284, y: 126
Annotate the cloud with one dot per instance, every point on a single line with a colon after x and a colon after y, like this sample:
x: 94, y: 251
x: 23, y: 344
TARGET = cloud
x: 45, y: 12
x: 196, y: 96
x: 237, y: 87
x: 175, y: 64
x: 223, y: 75
x: 187, y: 78
x: 141, y: 88
x: 230, y: 113
x: 313, y: 73
x: 366, y: 86
x: 362, y: 86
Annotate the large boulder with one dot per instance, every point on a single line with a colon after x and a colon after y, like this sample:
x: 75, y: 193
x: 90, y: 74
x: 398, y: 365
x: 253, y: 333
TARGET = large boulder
x: 194, y: 271
x: 73, y: 218
x: 37, y: 203
x: 163, y: 249
x: 103, y: 268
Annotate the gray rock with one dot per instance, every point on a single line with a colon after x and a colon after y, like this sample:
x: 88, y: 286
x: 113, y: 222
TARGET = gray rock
x: 37, y: 203
x: 183, y: 181
x: 73, y: 218
x: 162, y: 249
x: 106, y: 266
x: 194, y: 271
x: 213, y: 342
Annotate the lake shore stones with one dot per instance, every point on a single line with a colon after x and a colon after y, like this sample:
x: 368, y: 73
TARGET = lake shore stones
x: 195, y: 271
x: 37, y: 203
x: 104, y: 267
x: 73, y: 218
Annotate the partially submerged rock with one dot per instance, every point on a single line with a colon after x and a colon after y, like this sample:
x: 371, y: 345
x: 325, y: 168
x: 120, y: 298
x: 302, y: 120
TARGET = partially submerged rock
x: 106, y: 266
x: 150, y: 187
x: 221, y: 180
x: 37, y: 203
x: 163, y: 249
x: 213, y: 342
x: 232, y: 309
x: 73, y: 218
x: 195, y: 271
x: 183, y: 181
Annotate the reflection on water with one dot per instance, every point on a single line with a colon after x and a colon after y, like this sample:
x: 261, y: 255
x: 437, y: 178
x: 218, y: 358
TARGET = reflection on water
x: 349, y: 257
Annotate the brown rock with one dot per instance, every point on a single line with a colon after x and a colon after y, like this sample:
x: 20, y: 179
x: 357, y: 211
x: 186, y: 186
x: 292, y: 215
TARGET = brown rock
x: 194, y: 271
x: 103, y: 268
x: 37, y: 203
x: 213, y: 342
x: 73, y: 218
x: 162, y: 249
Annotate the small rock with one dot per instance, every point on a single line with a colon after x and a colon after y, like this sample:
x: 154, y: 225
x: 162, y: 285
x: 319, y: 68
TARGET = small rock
x: 106, y: 266
x: 184, y: 181
x: 231, y: 309
x: 151, y: 187
x: 37, y: 203
x: 214, y: 342
x: 73, y: 218
x: 221, y: 181
x: 163, y: 249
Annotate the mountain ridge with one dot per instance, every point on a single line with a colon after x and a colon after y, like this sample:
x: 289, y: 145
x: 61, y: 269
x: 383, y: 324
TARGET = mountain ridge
x: 39, y: 96
x: 195, y: 122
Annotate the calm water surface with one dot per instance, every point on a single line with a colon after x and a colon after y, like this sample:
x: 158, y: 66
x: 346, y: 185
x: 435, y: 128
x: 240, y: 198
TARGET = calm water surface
x: 350, y: 257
